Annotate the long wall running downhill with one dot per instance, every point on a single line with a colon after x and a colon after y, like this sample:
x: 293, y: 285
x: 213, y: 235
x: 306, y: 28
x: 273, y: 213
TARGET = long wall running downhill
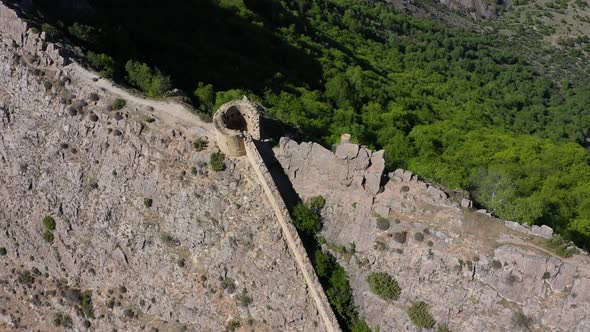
x: 290, y: 233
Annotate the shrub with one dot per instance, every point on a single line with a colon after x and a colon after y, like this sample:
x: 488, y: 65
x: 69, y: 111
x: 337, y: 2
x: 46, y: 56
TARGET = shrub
x: 306, y: 220
x: 316, y: 203
x: 26, y: 278
x: 49, y: 223
x: 216, y: 161
x: 404, y: 189
x: 101, y: 62
x: 245, y: 299
x: 546, y: 275
x: 233, y: 325
x: 519, y: 319
x: 419, y: 315
x: 382, y: 224
x: 152, y: 82
x: 418, y: 236
x: 430, y: 243
x: 48, y: 236
x: 400, y: 237
x: 147, y: 202
x: 168, y: 239
x: 384, y: 286
x: 50, y: 30
x: 206, y: 96
x: 561, y: 246
x: 3, y: 251
x: 62, y: 319
x: 118, y: 104
x: 85, y: 33
x: 199, y: 144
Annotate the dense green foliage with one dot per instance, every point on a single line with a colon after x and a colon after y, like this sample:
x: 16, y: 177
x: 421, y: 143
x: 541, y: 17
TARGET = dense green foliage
x: 306, y: 216
x: 101, y: 62
x: 419, y: 315
x: 460, y: 108
x: 152, y: 82
x: 384, y: 286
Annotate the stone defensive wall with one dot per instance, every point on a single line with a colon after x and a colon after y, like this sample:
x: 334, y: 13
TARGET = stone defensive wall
x: 291, y: 236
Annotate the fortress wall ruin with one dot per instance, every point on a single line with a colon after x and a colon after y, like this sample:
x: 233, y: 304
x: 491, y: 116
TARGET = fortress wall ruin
x: 291, y: 236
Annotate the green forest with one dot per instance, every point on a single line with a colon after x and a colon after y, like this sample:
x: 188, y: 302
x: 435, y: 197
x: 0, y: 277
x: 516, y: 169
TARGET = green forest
x: 460, y: 108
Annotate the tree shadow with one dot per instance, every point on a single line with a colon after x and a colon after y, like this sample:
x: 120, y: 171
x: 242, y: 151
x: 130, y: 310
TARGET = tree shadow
x: 195, y: 41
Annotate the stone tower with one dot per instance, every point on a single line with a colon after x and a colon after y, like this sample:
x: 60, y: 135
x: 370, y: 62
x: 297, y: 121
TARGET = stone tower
x: 233, y: 122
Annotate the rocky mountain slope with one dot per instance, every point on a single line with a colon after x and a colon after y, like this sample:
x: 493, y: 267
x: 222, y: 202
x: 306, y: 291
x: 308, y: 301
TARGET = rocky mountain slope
x: 475, y: 272
x: 110, y: 219
x: 145, y: 235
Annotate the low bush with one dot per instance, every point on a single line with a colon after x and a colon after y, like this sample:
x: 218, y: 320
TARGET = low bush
x: 384, y: 286
x: 419, y: 315
x: 400, y: 237
x: 561, y: 246
x: 382, y: 224
x: 103, y: 63
x: 152, y: 82
x: 147, y: 202
x: 233, y: 325
x: 244, y: 298
x: 3, y: 251
x: 48, y: 236
x: 217, y: 161
x: 496, y: 264
x: 49, y: 223
x: 118, y: 104
x: 306, y: 220
x: 418, y: 236
x: 62, y: 319
x: 199, y: 144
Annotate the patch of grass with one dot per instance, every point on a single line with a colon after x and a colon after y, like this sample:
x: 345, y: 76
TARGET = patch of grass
x: 118, y: 104
x: 419, y: 315
x: 217, y: 161
x: 384, y: 286
x: 228, y: 284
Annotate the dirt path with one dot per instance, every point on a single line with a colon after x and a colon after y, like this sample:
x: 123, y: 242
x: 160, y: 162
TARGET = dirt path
x: 171, y: 113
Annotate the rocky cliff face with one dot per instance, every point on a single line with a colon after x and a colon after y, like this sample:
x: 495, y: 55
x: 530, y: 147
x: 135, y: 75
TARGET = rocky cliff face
x: 474, y: 272
x: 146, y: 235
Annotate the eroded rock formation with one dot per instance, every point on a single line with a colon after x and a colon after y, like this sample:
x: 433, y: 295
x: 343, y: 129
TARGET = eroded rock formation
x: 475, y: 273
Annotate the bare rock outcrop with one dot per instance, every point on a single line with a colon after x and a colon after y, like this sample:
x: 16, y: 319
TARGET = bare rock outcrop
x: 144, y: 235
x: 475, y: 272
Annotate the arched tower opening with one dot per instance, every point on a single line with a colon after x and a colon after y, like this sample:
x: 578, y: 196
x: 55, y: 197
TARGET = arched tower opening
x: 234, y: 120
